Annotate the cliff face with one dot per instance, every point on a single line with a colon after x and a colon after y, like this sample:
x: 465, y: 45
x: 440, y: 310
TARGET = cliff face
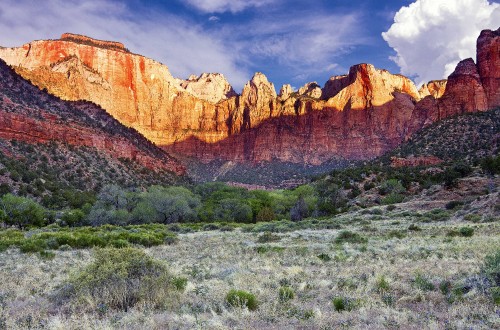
x: 488, y: 60
x: 355, y: 116
x: 33, y: 116
x: 435, y: 88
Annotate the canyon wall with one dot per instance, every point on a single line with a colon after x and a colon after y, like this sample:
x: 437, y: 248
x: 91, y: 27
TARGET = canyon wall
x: 355, y: 116
x: 34, y: 116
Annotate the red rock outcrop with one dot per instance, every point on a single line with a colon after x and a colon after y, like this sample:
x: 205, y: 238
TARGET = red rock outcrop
x: 357, y: 116
x: 464, y: 91
x: 488, y: 60
x: 415, y: 161
x: 33, y: 116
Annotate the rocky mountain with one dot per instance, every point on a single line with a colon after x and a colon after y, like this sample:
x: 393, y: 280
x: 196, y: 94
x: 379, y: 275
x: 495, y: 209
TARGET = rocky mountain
x: 31, y: 115
x: 360, y: 115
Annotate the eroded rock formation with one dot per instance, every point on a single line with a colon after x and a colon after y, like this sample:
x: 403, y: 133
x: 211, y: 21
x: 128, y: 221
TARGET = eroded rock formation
x: 34, y: 116
x: 357, y: 116
x: 435, y: 88
x: 488, y: 60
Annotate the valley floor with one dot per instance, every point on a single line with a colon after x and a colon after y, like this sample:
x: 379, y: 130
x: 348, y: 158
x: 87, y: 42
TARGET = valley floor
x: 388, y: 276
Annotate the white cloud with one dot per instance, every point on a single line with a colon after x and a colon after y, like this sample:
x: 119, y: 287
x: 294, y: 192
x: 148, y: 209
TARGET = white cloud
x: 431, y: 36
x: 221, y: 6
x: 181, y: 44
x: 305, y: 45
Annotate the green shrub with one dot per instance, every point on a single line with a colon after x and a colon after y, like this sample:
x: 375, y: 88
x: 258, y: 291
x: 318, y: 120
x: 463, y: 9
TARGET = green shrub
x: 437, y: 215
x: 453, y: 205
x: 346, y: 236
x: 265, y: 214
x: 368, y: 185
x: 391, y: 207
x: 463, y: 232
x: 47, y: 255
x: 396, y: 234
x: 491, y: 267
x: 267, y: 248
x: 375, y: 211
x: 392, y: 198
x: 382, y: 285
x: 466, y: 231
x: 391, y: 186
x: 33, y: 245
x: 268, y: 237
x: 120, y: 279
x: 286, y: 293
x: 473, y: 218
x: 414, y: 227
x: 73, y: 217
x: 21, y: 212
x: 210, y: 226
x: 495, y: 294
x: 119, y: 243
x: 423, y: 283
x: 180, y: 283
x: 445, y: 287
x: 491, y: 165
x: 343, y: 304
x: 4, y: 188
x: 324, y: 257
x: 242, y: 299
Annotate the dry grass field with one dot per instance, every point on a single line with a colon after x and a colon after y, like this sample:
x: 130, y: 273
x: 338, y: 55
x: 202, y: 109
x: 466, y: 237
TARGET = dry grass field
x: 379, y: 269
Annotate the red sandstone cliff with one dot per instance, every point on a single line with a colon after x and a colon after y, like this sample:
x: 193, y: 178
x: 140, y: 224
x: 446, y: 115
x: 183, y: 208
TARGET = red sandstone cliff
x: 34, y: 116
x: 356, y: 116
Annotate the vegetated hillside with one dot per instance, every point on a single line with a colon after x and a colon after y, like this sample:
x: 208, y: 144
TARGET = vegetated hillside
x: 468, y: 160
x: 467, y: 137
x: 31, y: 115
x: 61, y: 175
x: 274, y: 174
x: 57, y: 151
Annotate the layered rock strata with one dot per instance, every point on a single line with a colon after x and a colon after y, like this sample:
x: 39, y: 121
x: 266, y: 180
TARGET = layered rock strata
x: 356, y: 116
x: 34, y: 116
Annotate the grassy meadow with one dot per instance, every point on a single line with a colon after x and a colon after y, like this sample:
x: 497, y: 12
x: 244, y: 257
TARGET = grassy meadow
x: 376, y: 268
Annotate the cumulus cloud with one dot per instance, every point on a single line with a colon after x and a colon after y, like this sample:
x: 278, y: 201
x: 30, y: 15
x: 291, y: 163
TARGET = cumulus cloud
x: 221, y: 6
x: 181, y: 44
x: 431, y: 36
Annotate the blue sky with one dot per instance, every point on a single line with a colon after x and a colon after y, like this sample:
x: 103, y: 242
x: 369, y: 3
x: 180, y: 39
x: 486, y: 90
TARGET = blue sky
x: 290, y: 41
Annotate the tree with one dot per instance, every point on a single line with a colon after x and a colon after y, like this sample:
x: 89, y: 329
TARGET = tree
x: 4, y: 189
x: 299, y: 211
x: 331, y: 197
x: 391, y: 186
x: 73, y: 217
x: 233, y: 210
x: 167, y: 205
x: 265, y: 214
x: 491, y: 165
x: 113, y: 196
x: 113, y: 206
x: 22, y: 212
